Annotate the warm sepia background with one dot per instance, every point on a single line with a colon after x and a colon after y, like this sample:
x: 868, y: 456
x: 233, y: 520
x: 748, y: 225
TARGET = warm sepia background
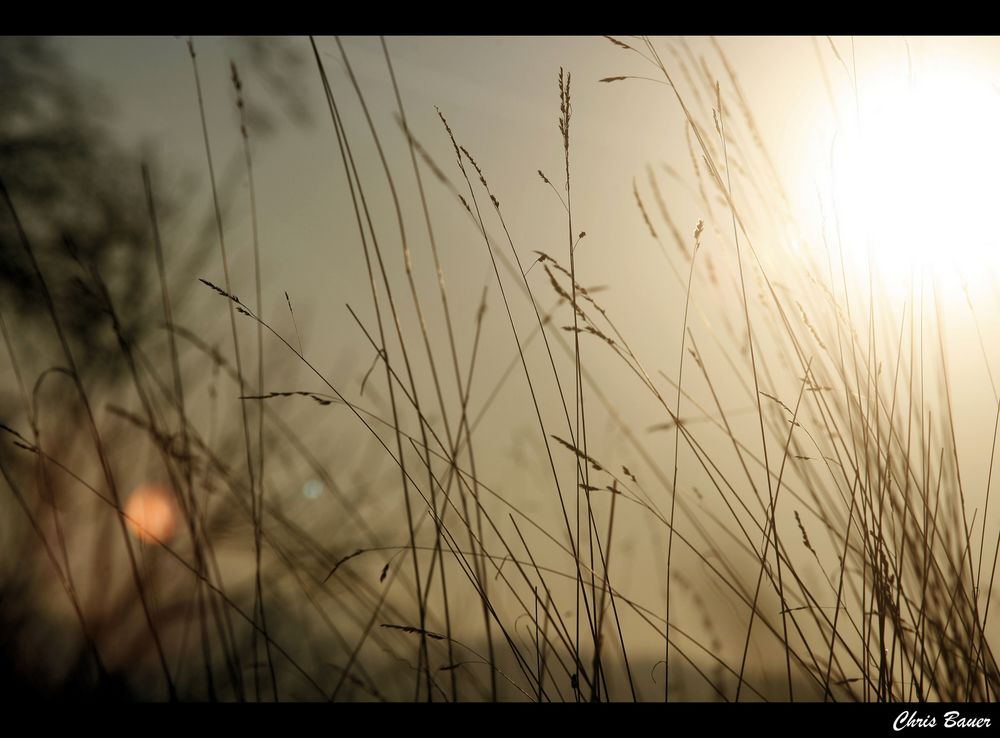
x: 834, y: 196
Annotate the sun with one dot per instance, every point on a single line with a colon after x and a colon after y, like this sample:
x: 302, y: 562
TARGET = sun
x: 913, y: 170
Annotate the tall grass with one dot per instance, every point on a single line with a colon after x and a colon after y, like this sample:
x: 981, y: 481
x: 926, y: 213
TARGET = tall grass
x: 812, y: 537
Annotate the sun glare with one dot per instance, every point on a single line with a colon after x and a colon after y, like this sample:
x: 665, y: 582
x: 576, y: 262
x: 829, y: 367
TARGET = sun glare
x: 913, y: 166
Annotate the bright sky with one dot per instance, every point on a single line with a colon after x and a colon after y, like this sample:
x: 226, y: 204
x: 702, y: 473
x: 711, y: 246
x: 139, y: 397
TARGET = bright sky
x: 500, y: 96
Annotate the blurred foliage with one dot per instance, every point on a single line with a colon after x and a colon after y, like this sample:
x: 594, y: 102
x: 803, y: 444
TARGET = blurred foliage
x: 78, y: 193
x: 74, y: 189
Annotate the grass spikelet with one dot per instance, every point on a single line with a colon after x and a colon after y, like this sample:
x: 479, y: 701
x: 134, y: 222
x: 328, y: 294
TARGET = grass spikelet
x: 414, y: 630
x: 642, y: 209
x: 578, y: 452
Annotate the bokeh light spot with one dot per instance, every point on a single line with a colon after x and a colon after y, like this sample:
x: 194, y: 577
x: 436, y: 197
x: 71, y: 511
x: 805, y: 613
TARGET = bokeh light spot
x: 151, y: 514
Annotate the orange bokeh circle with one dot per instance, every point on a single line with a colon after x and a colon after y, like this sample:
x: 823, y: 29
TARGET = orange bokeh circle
x: 151, y: 513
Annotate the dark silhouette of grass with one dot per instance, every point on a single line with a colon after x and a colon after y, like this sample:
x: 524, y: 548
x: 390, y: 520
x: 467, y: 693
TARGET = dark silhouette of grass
x: 860, y: 575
